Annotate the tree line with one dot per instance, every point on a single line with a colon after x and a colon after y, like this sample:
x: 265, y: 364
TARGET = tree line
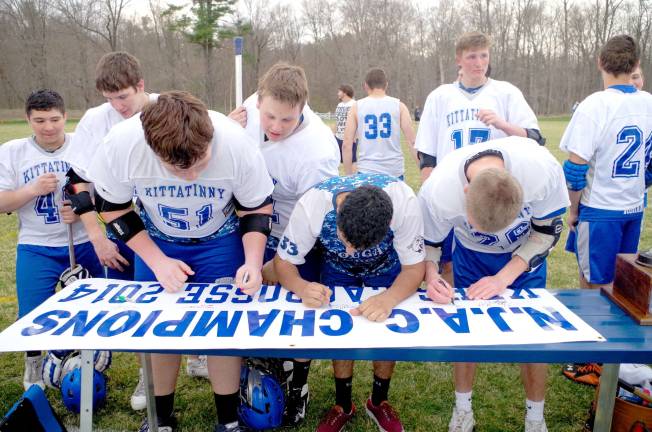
x: 546, y: 48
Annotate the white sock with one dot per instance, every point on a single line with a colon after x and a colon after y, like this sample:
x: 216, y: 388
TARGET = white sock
x: 534, y: 410
x: 463, y: 401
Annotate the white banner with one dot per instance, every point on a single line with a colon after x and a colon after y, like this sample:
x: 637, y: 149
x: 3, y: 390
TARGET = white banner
x: 131, y: 316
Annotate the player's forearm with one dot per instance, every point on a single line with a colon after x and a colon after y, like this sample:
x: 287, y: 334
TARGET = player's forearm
x: 347, y: 156
x: 254, y: 248
x: 574, y: 197
x: 512, y: 130
x: 512, y: 270
x: 143, y: 245
x: 288, y: 275
x: 407, y: 282
x: 92, y: 226
x: 13, y: 200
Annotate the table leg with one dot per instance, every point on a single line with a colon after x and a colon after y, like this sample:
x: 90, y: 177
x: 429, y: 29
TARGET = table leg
x: 607, y: 397
x: 86, y: 403
x: 146, y: 364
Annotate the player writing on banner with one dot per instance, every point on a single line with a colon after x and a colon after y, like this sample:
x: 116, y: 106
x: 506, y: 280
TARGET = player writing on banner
x: 608, y: 141
x: 504, y: 199
x: 198, y: 177
x: 377, y: 122
x: 370, y: 230
x: 32, y: 175
x: 299, y: 152
x: 345, y: 96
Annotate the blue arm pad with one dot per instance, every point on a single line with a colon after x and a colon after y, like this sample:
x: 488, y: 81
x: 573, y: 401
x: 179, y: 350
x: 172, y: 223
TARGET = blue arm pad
x: 575, y: 175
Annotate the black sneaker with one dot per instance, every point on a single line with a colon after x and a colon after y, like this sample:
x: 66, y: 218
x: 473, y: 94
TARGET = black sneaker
x: 164, y: 425
x: 296, y: 406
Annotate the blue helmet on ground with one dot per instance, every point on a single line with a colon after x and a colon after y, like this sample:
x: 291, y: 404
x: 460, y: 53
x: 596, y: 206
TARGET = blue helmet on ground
x: 262, y: 399
x: 71, y: 390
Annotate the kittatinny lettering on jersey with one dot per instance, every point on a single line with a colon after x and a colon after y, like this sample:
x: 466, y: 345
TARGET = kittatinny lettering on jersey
x: 184, y: 191
x: 43, y: 168
x: 461, y: 115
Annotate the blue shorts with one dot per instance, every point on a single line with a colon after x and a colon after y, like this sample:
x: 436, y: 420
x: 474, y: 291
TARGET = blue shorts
x: 355, y: 149
x: 447, y: 248
x: 333, y: 277
x: 128, y: 272
x: 596, y: 244
x: 38, y: 269
x: 470, y: 266
x: 210, y: 260
x: 309, y: 270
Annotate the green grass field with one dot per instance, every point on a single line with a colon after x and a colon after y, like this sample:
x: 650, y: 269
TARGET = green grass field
x: 421, y: 392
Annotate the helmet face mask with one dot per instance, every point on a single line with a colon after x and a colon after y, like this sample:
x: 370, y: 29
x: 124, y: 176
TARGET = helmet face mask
x: 262, y: 399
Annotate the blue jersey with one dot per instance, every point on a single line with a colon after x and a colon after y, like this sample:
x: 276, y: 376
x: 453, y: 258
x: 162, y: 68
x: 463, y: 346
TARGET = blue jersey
x: 314, y: 220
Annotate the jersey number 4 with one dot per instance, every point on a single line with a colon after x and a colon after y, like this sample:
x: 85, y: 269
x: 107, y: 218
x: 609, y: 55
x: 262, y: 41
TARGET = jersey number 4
x: 376, y: 126
x: 624, y: 166
x: 45, y: 207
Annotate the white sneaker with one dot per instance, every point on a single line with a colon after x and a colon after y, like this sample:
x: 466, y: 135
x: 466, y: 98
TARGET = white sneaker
x: 461, y: 421
x: 535, y: 426
x: 33, y: 372
x: 139, y: 398
x: 197, y: 367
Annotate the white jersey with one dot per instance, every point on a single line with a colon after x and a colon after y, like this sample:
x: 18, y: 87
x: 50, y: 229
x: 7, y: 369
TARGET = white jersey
x: 379, y: 136
x: 125, y: 165
x: 449, y: 117
x: 297, y: 163
x: 314, y: 219
x: 22, y: 161
x: 90, y: 132
x: 541, y: 177
x: 341, y: 114
x: 610, y: 130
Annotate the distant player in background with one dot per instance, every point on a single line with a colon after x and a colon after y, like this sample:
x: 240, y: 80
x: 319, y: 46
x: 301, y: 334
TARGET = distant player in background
x: 32, y: 175
x: 505, y: 199
x: 299, y: 152
x: 206, y: 208
x: 377, y: 121
x: 637, y: 79
x: 370, y: 229
x: 345, y: 96
x: 608, y: 146
x: 473, y: 109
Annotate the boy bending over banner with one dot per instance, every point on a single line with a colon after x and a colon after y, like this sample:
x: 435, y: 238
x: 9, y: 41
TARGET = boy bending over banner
x: 370, y: 230
x: 195, y: 173
x: 504, y: 199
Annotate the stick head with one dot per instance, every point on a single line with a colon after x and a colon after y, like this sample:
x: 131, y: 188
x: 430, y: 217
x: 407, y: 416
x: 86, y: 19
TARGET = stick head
x: 71, y: 275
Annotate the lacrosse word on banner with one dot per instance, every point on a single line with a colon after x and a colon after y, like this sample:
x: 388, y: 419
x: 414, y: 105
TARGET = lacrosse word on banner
x: 130, y: 316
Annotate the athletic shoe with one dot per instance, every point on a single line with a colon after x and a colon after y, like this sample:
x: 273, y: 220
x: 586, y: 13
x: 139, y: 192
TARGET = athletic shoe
x: 461, y: 421
x: 384, y: 416
x: 33, y: 372
x: 335, y: 419
x: 584, y: 373
x: 535, y: 426
x: 231, y: 427
x: 295, y: 408
x: 139, y: 398
x: 197, y: 367
x: 164, y: 425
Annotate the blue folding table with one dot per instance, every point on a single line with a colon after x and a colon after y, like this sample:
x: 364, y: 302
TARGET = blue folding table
x: 626, y: 342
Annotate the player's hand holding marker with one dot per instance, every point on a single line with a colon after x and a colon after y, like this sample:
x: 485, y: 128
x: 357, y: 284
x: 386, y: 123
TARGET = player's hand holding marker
x: 171, y: 273
x: 248, y: 278
x: 44, y: 184
x: 376, y: 308
x: 108, y: 253
x: 437, y: 289
x: 315, y: 295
